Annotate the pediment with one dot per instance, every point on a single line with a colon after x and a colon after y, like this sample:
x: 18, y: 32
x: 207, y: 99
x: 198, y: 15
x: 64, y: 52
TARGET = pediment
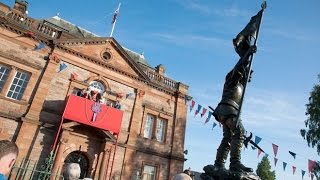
x: 104, y: 51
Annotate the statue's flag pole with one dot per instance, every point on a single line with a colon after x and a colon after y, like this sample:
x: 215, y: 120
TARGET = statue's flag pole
x: 242, y: 43
x: 114, y: 20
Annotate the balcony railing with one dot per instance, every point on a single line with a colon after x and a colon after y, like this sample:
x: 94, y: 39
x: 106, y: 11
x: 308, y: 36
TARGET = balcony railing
x: 32, y: 25
x: 160, y: 79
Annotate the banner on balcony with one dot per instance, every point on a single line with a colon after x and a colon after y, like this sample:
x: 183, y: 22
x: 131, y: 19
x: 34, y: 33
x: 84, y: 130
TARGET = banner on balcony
x: 94, y: 114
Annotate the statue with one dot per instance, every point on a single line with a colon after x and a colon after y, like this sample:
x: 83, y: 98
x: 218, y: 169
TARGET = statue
x: 228, y: 110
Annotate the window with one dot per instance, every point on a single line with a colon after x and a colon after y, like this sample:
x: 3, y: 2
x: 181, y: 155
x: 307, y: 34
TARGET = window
x: 149, y: 172
x: 149, y: 126
x: 161, y: 130
x: 18, y: 85
x: 155, y: 127
x: 97, y: 86
x: 4, y: 72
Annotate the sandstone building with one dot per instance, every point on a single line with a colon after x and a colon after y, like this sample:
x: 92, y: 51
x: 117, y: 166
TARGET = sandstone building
x: 45, y: 62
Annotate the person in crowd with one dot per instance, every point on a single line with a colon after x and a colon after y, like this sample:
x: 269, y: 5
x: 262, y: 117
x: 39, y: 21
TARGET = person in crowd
x: 8, y: 154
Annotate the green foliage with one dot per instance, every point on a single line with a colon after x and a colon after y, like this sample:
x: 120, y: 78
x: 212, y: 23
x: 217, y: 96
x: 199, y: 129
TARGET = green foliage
x: 264, y: 170
x: 312, y: 131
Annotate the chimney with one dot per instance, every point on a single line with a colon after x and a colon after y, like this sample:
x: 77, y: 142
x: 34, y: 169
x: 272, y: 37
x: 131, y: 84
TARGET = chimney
x: 160, y: 69
x: 20, y: 6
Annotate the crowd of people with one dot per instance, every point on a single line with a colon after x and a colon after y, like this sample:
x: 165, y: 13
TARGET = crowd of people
x: 98, y: 97
x: 9, y: 152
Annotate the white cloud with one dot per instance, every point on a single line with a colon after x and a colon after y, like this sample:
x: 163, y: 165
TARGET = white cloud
x: 198, y: 6
x: 192, y: 39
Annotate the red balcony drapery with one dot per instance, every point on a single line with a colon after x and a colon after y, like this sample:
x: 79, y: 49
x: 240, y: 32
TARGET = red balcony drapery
x: 81, y: 110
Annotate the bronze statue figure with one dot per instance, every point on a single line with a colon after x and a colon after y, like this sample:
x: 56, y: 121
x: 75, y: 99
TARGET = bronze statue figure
x: 228, y: 109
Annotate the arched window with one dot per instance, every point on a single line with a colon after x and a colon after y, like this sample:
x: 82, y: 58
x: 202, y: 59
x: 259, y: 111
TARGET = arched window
x: 97, y: 86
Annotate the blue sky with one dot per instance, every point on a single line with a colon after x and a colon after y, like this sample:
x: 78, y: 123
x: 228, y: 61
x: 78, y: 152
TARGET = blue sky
x: 193, y: 40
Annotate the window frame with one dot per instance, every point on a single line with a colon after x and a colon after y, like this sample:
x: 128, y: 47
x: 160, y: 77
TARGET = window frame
x: 16, y: 85
x: 154, y: 127
x: 156, y: 167
x: 14, y: 68
x: 3, y: 74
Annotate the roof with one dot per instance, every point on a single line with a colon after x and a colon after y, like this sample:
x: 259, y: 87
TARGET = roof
x: 83, y: 33
x: 137, y: 57
x: 69, y: 27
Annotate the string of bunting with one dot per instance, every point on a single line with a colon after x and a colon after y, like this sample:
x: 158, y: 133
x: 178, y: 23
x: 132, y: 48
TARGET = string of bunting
x: 311, y: 163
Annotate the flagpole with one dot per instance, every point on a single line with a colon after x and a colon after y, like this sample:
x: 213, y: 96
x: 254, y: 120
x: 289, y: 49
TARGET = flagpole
x: 263, y: 6
x: 115, y: 19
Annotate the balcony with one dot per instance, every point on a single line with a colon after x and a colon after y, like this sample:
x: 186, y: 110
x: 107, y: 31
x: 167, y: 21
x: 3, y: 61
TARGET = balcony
x: 93, y: 114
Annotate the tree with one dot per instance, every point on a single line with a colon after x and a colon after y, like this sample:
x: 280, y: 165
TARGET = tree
x: 312, y: 131
x: 264, y: 170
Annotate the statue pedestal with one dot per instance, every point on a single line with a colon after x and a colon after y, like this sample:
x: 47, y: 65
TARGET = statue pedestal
x: 210, y: 173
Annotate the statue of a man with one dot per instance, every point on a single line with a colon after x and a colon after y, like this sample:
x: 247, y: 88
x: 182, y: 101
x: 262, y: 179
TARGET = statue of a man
x: 227, y: 114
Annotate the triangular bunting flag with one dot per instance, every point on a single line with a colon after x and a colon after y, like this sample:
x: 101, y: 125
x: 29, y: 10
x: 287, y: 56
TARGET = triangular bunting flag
x: 29, y: 34
x: 192, y: 105
x: 259, y: 152
x: 198, y: 110
x: 208, y: 118
x: 294, y: 169
x: 311, y: 165
x: 214, y: 125
x: 204, y: 110
x: 275, y: 149
x: 62, y: 67
x: 293, y: 154
x: 302, y: 173
x: 74, y: 75
x: 257, y: 140
x: 275, y: 161
x: 129, y: 95
x: 39, y: 46
x: 284, y: 166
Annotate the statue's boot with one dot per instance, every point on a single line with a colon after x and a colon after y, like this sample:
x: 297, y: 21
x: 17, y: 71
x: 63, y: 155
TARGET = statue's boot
x: 235, y: 157
x: 222, y: 154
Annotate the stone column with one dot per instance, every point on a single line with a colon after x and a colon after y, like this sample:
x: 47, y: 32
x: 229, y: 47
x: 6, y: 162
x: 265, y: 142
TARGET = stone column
x: 57, y: 161
x: 104, y: 163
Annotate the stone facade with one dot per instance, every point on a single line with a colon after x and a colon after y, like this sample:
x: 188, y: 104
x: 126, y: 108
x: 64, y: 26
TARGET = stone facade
x: 33, y: 120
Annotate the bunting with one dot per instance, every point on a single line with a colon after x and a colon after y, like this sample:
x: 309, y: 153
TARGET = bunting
x: 293, y: 154
x: 311, y: 165
x: 192, y: 105
x: 29, y: 34
x: 198, y: 110
x: 284, y: 166
x: 62, y: 67
x: 204, y: 110
x: 128, y: 95
x: 259, y: 152
x: 208, y: 118
x: 39, y: 46
x: 275, y: 149
x: 74, y: 75
x: 214, y: 125
x: 302, y: 173
x: 294, y: 169
x: 275, y: 161
x: 258, y: 139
